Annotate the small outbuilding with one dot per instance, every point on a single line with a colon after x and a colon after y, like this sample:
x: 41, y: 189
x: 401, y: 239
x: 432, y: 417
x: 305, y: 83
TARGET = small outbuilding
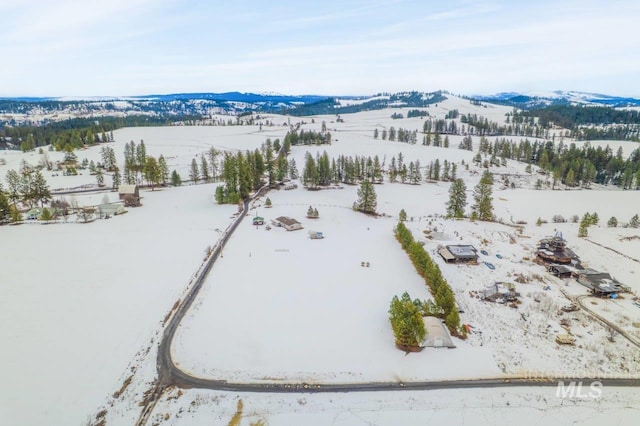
x: 258, y: 220
x: 459, y: 254
x: 287, y: 223
x: 316, y: 235
x: 559, y: 271
x: 437, y: 334
x: 130, y: 194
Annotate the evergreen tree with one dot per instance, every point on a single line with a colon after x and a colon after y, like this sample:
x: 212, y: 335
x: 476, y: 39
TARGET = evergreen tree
x: 152, y: 171
x: 403, y: 216
x: 204, y: 169
x: 164, y: 170
x: 4, y: 206
x: 13, y: 185
x: 267, y: 202
x: 213, y: 162
x: 406, y: 321
x: 293, y: 170
x: 457, y: 199
x: 570, y: 179
x: 100, y: 177
x: 115, y: 178
x: 40, y: 189
x: 635, y: 221
x: 14, y: 215
x: 612, y: 223
x: 46, y: 215
x: 176, y: 180
x: 194, y: 172
x: 482, y: 196
x: 367, y: 199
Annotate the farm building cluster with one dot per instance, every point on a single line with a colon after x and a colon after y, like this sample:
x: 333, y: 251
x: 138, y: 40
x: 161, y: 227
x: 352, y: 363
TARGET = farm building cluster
x: 562, y: 262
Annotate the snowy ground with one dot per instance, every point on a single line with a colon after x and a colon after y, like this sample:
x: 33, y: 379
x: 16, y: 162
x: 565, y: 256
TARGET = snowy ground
x: 315, y: 314
x: 79, y: 322
x: 506, y: 406
x: 79, y: 300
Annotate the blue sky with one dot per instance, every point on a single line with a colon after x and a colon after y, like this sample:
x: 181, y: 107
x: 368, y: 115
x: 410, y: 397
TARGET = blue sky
x: 133, y: 47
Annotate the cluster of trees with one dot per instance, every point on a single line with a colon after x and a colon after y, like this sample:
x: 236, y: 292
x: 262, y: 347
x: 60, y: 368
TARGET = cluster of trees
x: 306, y: 137
x: 241, y: 174
x: 400, y: 135
x: 138, y: 165
x: 417, y: 113
x: 435, y: 139
x: 634, y: 222
x: 587, y: 220
x: 28, y: 186
x: 322, y: 171
x: 430, y: 271
x: 78, y: 132
x: 586, y: 122
x: 207, y: 171
x: 567, y: 164
x: 411, y: 99
x: 405, y: 316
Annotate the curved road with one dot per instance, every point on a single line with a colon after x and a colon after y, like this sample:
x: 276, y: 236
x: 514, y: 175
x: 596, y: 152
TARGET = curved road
x: 171, y: 375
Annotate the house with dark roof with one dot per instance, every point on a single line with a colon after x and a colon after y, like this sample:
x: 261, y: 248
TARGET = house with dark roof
x: 459, y: 254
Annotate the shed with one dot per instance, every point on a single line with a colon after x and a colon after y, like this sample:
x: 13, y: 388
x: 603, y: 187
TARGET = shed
x: 110, y: 209
x: 124, y: 190
x: 437, y: 334
x: 559, y: 271
x: 287, y: 223
x: 258, y: 220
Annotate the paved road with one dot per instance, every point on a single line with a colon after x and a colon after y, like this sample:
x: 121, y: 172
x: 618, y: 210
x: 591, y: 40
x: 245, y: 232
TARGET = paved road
x: 171, y: 375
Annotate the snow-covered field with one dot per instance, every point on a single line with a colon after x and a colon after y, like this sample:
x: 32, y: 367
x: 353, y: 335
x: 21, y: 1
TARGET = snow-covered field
x: 315, y: 313
x: 79, y: 300
x: 82, y: 304
x: 521, y: 406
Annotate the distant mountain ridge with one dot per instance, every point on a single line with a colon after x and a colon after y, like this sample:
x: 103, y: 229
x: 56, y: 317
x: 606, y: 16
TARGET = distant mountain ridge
x: 16, y: 111
x: 540, y: 99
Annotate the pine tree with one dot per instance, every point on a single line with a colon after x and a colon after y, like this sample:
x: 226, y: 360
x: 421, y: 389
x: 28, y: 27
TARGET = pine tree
x: 367, y: 199
x: 482, y: 196
x: 4, y: 206
x: 635, y: 221
x: 612, y: 223
x: 115, y: 178
x: 164, y: 170
x: 293, y: 170
x: 204, y: 169
x: 194, y: 172
x: 457, y: 199
x: 40, y: 189
x: 406, y: 321
x: 403, y: 216
x: 100, y: 177
x: 176, y: 180
x: 267, y: 202
x: 152, y: 172
x: 14, y: 215
x: 46, y: 215
x: 13, y: 185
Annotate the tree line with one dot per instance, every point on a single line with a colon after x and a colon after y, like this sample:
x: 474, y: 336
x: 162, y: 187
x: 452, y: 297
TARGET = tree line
x: 430, y: 271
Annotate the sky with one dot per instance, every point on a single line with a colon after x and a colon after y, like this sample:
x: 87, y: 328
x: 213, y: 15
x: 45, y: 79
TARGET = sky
x: 329, y: 47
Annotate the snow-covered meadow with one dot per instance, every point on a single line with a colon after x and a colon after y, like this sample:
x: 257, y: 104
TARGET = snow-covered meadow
x: 81, y: 301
